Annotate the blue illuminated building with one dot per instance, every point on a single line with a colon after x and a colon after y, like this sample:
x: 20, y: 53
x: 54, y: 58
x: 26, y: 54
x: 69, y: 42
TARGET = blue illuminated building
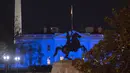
x: 43, y: 47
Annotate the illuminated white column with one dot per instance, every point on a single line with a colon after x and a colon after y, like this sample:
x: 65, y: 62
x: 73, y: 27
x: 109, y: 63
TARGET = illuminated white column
x: 17, y: 18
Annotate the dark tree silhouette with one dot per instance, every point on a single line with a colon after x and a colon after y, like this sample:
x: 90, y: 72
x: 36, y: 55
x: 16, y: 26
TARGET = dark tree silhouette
x: 112, y: 54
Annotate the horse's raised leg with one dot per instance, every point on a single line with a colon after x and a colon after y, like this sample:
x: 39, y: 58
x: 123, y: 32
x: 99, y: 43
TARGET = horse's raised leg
x: 66, y: 56
x: 84, y: 49
x: 57, y: 49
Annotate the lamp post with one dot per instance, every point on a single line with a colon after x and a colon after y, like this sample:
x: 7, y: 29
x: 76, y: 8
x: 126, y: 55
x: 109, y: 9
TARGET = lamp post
x: 17, y: 59
x: 48, y: 61
x: 61, y: 58
x: 6, y: 59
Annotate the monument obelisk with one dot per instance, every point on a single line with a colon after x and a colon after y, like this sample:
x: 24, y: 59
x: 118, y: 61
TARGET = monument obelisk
x: 17, y: 19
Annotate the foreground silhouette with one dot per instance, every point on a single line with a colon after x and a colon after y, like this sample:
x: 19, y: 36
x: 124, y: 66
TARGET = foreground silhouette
x: 72, y: 45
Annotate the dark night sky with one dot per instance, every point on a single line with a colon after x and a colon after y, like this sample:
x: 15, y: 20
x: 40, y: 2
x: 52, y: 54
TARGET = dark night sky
x: 40, y: 13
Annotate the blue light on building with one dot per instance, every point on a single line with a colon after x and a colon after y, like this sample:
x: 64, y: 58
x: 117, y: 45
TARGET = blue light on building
x: 43, y: 47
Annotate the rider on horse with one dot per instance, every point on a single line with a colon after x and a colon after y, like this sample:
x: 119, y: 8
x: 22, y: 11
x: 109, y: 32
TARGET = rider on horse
x: 71, y: 45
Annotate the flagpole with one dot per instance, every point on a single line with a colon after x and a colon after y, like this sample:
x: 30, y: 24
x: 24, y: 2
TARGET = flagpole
x: 71, y: 17
x: 71, y: 20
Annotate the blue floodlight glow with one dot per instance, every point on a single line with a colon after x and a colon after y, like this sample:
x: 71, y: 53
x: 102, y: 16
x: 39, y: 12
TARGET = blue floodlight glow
x: 42, y: 41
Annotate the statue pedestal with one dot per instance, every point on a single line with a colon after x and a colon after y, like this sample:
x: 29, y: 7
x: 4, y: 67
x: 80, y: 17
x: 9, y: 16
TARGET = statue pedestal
x: 64, y: 66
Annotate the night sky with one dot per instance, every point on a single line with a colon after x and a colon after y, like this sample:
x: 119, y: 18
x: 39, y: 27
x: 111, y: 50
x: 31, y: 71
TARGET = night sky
x: 40, y: 13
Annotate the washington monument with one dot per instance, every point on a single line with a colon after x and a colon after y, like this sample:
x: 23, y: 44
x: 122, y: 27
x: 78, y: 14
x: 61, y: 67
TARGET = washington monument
x: 17, y: 18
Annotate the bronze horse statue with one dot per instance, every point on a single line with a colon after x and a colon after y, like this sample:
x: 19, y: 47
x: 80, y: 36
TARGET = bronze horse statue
x: 72, y: 45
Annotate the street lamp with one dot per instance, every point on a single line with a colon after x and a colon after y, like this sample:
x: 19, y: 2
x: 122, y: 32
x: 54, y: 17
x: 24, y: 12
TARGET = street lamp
x: 61, y: 58
x: 17, y: 59
x: 48, y: 61
x: 6, y: 58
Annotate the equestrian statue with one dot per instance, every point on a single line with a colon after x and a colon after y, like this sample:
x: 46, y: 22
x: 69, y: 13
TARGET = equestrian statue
x: 72, y: 45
